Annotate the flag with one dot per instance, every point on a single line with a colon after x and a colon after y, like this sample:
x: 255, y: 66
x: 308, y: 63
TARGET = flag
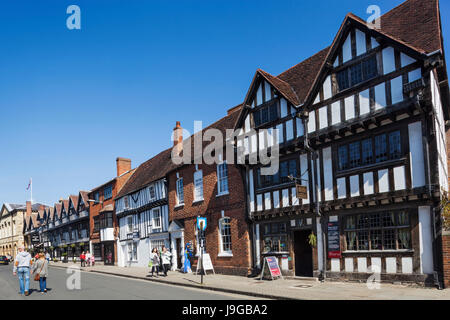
x: 29, y: 185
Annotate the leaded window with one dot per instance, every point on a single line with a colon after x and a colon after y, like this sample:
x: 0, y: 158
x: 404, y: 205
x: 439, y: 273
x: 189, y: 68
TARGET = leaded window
x: 379, y: 231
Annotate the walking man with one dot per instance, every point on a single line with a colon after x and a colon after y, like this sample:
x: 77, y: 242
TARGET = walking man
x: 22, y: 266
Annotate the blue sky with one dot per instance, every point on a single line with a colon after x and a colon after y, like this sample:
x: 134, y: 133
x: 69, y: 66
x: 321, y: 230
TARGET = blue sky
x: 72, y: 101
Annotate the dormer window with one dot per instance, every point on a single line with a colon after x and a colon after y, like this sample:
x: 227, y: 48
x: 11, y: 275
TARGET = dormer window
x: 357, y: 73
x: 267, y: 113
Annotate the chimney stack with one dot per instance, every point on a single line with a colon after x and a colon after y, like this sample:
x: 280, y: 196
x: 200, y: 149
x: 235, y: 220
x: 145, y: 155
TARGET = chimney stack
x: 178, y: 138
x: 123, y: 165
x: 28, y: 213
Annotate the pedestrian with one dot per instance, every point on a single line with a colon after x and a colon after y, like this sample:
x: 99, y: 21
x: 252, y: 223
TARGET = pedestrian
x: 154, y: 259
x: 83, y: 259
x: 22, y: 266
x: 92, y: 260
x: 47, y: 256
x: 40, y: 270
x: 165, y: 257
x: 88, y: 258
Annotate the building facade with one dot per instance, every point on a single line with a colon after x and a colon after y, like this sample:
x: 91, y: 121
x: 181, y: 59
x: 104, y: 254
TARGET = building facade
x: 215, y: 192
x: 363, y: 123
x: 11, y: 228
x: 104, y: 227
x: 142, y: 211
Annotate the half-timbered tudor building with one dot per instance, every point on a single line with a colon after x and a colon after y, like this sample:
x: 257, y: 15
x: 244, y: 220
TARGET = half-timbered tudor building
x: 372, y: 107
x: 215, y: 191
x: 66, y: 229
x: 142, y: 211
x: 104, y: 226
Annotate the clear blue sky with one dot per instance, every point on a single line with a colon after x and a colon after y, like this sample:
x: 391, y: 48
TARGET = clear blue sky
x: 71, y: 101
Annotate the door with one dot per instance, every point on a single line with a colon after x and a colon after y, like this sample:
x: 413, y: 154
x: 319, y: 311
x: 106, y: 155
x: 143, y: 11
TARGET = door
x: 109, y: 253
x: 179, y: 251
x: 303, y: 254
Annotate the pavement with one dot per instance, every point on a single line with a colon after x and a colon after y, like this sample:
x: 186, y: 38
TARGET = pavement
x: 95, y: 286
x: 284, y: 289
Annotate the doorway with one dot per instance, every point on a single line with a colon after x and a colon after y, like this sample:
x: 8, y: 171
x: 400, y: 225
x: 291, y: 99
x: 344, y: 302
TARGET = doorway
x: 179, y: 250
x: 108, y: 257
x: 303, y: 254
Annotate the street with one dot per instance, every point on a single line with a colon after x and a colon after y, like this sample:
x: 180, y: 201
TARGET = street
x: 98, y: 286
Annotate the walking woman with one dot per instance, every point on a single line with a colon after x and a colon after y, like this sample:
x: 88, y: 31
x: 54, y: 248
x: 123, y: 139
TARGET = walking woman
x: 165, y: 257
x: 154, y: 258
x: 40, y: 270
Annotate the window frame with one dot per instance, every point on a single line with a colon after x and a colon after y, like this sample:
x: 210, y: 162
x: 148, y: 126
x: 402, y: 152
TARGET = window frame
x: 198, y: 188
x: 222, y: 176
x: 180, y: 199
x: 107, y: 193
x: 369, y: 230
x: 155, y: 218
x: 223, y: 252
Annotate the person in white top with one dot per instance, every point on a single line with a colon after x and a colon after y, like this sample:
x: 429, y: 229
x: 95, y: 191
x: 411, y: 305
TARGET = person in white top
x: 88, y: 258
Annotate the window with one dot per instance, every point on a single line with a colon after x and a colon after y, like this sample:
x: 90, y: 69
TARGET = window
x: 357, y: 73
x: 96, y: 224
x: 198, y: 185
x: 156, y: 220
x: 180, y: 191
x: 380, y: 148
x: 132, y: 251
x: 275, y: 237
x: 152, y: 192
x: 125, y: 202
x: 225, y: 235
x: 367, y: 153
x: 380, y: 231
x: 107, y: 193
x: 130, y: 224
x: 222, y: 178
x: 266, y: 114
x: 106, y: 220
x: 96, y: 197
x: 360, y: 153
x: 286, y: 168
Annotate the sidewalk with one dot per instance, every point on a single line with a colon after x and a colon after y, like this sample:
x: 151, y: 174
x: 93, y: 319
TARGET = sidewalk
x: 278, y: 289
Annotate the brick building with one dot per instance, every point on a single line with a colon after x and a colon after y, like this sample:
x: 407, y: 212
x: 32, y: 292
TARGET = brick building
x: 215, y: 191
x: 103, y: 225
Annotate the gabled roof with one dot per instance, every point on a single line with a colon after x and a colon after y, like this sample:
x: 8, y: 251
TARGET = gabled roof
x: 58, y: 207
x: 415, y: 24
x: 74, y: 200
x: 84, y: 195
x: 51, y: 212
x: 65, y: 205
x: 34, y: 220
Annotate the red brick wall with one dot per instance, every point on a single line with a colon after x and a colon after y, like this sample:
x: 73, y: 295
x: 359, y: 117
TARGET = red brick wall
x: 234, y: 207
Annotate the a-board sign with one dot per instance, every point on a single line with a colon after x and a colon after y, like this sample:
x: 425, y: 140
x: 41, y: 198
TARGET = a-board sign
x: 205, y: 263
x: 301, y: 191
x: 334, y: 244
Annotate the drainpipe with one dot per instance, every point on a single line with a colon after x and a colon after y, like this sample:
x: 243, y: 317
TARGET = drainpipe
x: 315, y: 157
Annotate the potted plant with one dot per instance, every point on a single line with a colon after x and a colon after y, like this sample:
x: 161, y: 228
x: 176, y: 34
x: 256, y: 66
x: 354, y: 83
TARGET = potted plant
x: 55, y: 260
x: 312, y: 240
x: 64, y: 257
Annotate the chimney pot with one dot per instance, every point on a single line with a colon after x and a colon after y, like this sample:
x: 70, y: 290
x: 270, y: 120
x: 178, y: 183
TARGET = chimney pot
x: 178, y: 137
x: 123, y: 165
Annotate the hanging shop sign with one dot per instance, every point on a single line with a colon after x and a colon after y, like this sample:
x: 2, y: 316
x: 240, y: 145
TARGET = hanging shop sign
x: 334, y: 243
x: 301, y: 191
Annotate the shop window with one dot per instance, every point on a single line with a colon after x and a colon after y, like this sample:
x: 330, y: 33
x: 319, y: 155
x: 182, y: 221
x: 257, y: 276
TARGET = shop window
x: 132, y: 251
x: 380, y: 231
x: 275, y: 237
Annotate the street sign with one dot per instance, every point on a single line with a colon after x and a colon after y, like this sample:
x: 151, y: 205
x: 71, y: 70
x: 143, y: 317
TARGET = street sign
x: 201, y: 223
x: 302, y: 191
x: 205, y: 264
x: 35, y: 238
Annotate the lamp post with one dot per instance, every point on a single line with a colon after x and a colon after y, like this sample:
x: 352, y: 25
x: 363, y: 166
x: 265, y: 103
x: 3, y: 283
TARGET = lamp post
x: 304, y: 116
